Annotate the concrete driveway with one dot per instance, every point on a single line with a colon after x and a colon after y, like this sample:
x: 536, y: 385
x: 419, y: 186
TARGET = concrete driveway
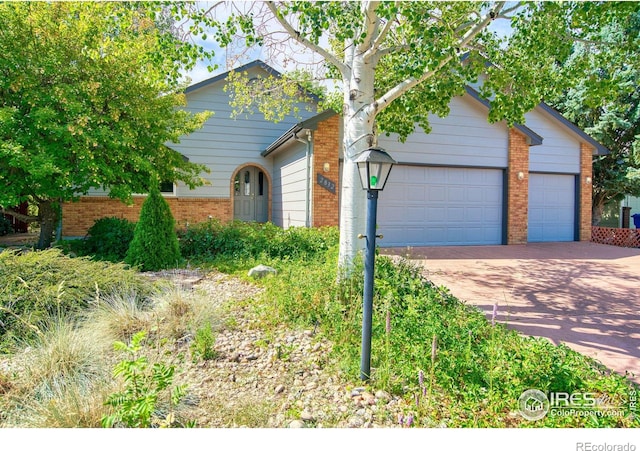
x: 583, y: 294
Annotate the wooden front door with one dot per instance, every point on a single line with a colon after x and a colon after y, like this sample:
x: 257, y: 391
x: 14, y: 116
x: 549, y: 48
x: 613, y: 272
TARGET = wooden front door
x: 251, y: 195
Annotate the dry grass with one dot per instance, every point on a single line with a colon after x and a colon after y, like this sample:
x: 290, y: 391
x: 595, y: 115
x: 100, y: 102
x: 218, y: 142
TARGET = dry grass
x: 58, y: 380
x: 180, y: 313
x: 69, y: 407
x: 249, y: 412
x: 62, y: 377
x: 60, y: 355
x: 117, y: 317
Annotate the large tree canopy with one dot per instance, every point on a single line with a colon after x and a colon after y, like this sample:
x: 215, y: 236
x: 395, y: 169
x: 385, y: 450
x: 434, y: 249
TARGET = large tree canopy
x: 399, y: 62
x: 604, y: 100
x: 89, y: 95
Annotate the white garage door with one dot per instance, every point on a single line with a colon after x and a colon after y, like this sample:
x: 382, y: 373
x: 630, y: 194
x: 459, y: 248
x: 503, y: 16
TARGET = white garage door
x: 429, y: 206
x: 552, y: 207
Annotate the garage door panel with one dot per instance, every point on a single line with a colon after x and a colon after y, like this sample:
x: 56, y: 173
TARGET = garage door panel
x: 492, y: 214
x: 456, y: 214
x: 413, y: 215
x: 435, y: 234
x: 436, y: 193
x: 456, y: 194
x: 479, y: 195
x: 434, y: 214
x: 456, y: 178
x: 451, y: 206
x: 552, y: 212
x: 436, y: 175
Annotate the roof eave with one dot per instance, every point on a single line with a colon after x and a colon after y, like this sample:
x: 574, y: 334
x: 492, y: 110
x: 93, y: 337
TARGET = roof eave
x: 291, y: 134
x: 209, y: 81
x: 532, y: 137
x: 598, y: 149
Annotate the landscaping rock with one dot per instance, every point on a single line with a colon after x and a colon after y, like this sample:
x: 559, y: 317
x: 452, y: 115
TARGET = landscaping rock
x: 247, y: 378
x: 306, y: 416
x: 260, y: 271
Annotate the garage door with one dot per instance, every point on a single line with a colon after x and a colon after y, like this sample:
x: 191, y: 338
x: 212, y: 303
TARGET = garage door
x: 428, y: 206
x: 552, y: 207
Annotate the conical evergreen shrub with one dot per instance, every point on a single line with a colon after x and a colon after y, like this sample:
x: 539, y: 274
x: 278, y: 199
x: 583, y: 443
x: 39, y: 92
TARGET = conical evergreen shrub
x: 155, y: 243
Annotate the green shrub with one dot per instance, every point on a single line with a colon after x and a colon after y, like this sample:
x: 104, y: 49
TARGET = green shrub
x: 245, y: 240
x: 451, y: 365
x: 109, y: 239
x: 37, y: 285
x: 5, y: 226
x: 155, y: 243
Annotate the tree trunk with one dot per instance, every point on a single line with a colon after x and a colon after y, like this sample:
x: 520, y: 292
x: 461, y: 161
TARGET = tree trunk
x: 48, y: 217
x: 359, y: 118
x: 597, y: 209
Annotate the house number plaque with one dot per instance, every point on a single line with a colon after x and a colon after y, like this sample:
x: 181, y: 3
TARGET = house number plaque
x: 327, y: 184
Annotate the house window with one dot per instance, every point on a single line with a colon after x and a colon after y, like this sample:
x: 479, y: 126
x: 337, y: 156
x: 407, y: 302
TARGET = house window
x: 168, y: 188
x: 261, y: 183
x: 247, y: 183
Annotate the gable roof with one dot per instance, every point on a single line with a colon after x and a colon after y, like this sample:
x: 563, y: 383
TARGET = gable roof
x: 599, y: 148
x: 222, y: 76
x: 255, y: 63
x: 533, y: 137
x: 536, y: 139
x: 312, y: 123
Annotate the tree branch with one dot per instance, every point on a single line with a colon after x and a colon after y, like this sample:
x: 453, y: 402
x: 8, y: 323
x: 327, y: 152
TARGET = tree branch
x: 371, y: 22
x: 484, y: 22
x: 378, y: 41
x: 305, y: 42
x: 502, y: 13
x: 394, y: 49
x: 409, y: 83
x: 405, y: 85
x: 20, y: 216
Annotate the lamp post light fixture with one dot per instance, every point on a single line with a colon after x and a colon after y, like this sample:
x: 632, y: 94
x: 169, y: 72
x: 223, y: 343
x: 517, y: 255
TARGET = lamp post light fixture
x: 374, y: 166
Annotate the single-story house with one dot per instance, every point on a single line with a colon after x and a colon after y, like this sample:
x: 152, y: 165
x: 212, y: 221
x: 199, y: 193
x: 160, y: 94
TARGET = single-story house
x: 468, y: 182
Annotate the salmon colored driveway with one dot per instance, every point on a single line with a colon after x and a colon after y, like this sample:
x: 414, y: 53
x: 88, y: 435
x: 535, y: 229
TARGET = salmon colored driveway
x: 583, y: 294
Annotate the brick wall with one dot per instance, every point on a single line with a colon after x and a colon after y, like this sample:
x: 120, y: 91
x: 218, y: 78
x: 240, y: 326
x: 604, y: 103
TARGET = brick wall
x: 586, y: 190
x: 325, y: 150
x: 518, y: 190
x: 78, y: 217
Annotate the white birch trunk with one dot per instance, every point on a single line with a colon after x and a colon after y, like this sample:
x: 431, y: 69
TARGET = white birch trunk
x: 358, y: 121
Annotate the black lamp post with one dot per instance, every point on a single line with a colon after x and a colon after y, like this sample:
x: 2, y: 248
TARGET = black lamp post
x: 374, y: 165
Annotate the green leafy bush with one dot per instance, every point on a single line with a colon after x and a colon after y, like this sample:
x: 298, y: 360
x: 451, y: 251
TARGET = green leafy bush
x: 155, y: 243
x: 37, y: 285
x: 5, y: 226
x: 238, y: 240
x: 109, y: 239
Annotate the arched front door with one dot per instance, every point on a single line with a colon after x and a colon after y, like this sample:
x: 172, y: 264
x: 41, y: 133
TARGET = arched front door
x: 251, y: 195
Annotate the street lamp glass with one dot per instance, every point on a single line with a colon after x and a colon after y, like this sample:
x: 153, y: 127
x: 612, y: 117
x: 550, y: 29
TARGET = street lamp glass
x: 374, y: 166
